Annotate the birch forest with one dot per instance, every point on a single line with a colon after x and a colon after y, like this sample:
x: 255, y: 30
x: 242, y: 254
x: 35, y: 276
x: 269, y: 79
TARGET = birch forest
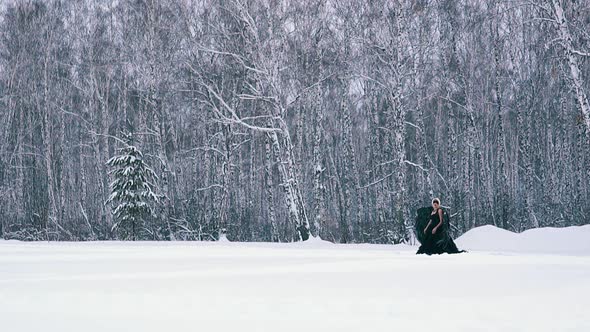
x: 277, y: 120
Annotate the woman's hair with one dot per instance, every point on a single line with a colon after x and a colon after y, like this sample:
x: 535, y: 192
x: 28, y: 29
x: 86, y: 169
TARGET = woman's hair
x: 436, y: 200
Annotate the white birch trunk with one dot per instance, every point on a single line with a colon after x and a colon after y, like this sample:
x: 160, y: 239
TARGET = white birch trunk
x: 576, y: 76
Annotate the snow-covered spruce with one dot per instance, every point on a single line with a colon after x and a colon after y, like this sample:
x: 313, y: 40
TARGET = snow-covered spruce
x: 132, y: 193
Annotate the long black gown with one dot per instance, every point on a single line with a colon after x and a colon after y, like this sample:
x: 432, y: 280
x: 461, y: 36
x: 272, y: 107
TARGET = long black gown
x: 437, y: 243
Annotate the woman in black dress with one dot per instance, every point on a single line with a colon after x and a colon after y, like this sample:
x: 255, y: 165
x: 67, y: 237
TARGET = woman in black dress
x: 436, y: 239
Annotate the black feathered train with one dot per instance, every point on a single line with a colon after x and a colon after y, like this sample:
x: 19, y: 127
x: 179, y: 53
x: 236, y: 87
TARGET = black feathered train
x: 437, y: 243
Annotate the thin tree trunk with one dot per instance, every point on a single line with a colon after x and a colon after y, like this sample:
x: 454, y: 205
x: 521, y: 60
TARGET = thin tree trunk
x: 576, y: 76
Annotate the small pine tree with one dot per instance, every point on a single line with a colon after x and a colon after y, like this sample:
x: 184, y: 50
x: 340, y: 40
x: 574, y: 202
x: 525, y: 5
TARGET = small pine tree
x: 132, y: 192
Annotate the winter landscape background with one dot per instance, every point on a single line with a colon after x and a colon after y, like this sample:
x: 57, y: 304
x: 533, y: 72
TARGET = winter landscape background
x: 223, y: 132
x: 271, y: 119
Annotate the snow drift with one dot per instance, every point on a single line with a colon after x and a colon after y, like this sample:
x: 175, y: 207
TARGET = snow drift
x: 573, y: 240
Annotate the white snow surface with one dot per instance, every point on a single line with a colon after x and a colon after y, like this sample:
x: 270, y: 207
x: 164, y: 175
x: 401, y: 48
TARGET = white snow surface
x: 507, y: 282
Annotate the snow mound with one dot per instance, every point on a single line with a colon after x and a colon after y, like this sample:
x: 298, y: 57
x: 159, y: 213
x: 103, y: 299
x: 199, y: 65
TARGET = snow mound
x: 574, y: 240
x: 315, y: 241
x: 223, y: 239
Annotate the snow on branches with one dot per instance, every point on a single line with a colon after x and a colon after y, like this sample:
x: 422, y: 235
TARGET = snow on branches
x: 132, y: 191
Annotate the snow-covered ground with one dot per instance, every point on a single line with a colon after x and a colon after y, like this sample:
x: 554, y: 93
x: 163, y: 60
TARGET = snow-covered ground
x: 313, y: 286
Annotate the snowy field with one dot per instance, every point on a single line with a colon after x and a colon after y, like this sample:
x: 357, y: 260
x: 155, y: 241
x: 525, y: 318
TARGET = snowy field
x: 534, y: 281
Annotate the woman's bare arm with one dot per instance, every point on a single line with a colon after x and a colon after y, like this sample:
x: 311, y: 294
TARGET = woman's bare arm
x: 425, y: 228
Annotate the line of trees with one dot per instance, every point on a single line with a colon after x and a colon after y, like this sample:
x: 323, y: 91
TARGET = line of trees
x: 274, y: 120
